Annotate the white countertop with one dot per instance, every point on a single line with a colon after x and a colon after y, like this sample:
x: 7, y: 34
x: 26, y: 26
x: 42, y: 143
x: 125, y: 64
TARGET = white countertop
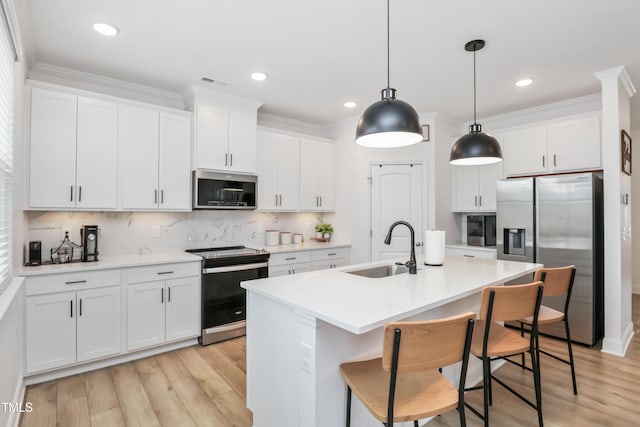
x: 107, y: 262
x: 473, y: 247
x: 306, y: 246
x: 359, y: 304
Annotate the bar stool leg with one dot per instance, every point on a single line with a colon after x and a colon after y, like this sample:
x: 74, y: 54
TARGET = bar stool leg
x: 348, y: 406
x: 535, y: 362
x: 486, y: 367
x: 573, y: 369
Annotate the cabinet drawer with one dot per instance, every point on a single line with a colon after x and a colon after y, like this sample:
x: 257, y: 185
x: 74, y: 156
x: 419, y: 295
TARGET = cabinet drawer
x: 471, y: 253
x: 161, y: 272
x: 288, y: 269
x: 283, y: 258
x: 324, y: 265
x: 71, y: 281
x: 331, y: 253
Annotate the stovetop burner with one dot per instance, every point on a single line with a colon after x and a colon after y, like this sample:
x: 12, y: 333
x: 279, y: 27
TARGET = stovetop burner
x: 230, y: 255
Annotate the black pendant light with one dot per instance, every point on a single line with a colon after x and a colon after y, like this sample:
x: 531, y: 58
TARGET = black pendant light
x: 476, y: 147
x: 388, y: 122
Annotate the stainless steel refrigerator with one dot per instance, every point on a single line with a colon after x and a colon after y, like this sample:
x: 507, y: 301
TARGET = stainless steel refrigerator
x: 558, y: 221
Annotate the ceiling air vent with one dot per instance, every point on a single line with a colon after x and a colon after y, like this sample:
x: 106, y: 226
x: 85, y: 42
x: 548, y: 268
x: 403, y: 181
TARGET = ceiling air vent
x: 212, y: 81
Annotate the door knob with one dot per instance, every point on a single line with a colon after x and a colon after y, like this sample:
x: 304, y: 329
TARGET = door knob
x: 418, y: 244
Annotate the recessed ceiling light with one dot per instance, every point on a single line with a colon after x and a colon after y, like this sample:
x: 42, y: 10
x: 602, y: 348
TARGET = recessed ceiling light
x: 524, y: 82
x: 350, y: 104
x: 105, y: 29
x: 258, y: 76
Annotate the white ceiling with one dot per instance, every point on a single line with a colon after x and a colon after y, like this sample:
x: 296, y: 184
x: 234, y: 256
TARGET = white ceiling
x: 319, y: 54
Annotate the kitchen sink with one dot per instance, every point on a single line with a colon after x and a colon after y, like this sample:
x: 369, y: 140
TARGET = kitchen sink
x: 381, y: 271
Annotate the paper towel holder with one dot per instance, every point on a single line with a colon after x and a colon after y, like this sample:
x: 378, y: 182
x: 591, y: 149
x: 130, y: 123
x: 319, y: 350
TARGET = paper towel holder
x: 434, y: 248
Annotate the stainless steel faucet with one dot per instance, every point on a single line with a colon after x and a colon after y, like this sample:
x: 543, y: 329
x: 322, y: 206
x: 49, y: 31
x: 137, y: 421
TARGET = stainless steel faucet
x: 413, y: 269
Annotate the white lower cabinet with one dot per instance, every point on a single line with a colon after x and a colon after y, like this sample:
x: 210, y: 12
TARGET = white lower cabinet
x: 471, y: 252
x: 80, y: 316
x: 160, y: 311
x: 68, y: 327
x: 284, y: 263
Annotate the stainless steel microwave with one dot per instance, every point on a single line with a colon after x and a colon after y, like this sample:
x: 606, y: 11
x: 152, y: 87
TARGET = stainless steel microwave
x: 221, y: 190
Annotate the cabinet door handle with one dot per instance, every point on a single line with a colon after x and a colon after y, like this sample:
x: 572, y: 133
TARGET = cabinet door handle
x: 231, y: 159
x: 469, y: 256
x: 80, y: 193
x: 543, y: 162
x: 280, y: 197
x: 332, y: 254
x: 75, y: 282
x: 71, y: 308
x: 226, y: 159
x: 162, y: 295
x: 162, y: 196
x: 168, y: 294
x: 155, y: 197
x: 165, y: 272
x: 317, y: 201
x: 479, y: 200
x: 554, y: 160
x: 476, y: 201
x: 320, y: 201
x: 294, y: 271
x: 71, y: 197
x: 290, y: 258
x: 80, y: 308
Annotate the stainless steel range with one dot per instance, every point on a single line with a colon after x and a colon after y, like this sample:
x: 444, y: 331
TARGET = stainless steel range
x: 223, y: 300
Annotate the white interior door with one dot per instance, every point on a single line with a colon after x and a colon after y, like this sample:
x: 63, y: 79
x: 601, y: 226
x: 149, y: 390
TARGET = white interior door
x: 396, y: 195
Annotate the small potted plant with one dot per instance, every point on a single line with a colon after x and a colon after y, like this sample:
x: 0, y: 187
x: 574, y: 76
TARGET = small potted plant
x: 324, y: 231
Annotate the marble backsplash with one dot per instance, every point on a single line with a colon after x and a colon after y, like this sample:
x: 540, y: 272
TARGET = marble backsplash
x: 133, y: 232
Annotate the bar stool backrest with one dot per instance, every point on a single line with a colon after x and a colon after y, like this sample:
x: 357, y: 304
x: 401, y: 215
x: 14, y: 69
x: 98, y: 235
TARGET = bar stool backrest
x: 425, y: 345
x: 510, y: 302
x: 557, y: 281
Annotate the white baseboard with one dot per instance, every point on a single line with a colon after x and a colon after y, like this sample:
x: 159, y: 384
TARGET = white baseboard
x: 618, y: 347
x: 103, y: 363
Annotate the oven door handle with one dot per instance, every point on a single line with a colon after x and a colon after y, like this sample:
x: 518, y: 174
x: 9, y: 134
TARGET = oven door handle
x: 240, y: 267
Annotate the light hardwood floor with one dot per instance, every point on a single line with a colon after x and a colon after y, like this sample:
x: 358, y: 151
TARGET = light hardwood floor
x: 205, y: 386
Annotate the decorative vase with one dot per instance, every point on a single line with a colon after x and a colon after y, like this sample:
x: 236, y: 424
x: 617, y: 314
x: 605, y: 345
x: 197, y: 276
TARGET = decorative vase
x: 327, y: 236
x: 318, y: 235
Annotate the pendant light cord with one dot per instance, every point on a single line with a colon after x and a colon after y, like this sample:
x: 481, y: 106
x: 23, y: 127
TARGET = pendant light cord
x: 474, y: 86
x: 388, y: 50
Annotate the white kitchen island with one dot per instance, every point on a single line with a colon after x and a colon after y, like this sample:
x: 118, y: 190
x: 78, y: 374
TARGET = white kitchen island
x: 301, y: 327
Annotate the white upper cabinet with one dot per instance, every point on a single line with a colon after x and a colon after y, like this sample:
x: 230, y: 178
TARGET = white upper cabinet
x: 72, y: 151
x: 174, y: 177
x: 574, y: 144
x: 278, y: 171
x: 97, y: 154
x: 225, y: 131
x: 474, y: 187
x: 317, y: 175
x: 568, y: 145
x: 139, y: 132
x: 156, y: 159
x: 526, y: 151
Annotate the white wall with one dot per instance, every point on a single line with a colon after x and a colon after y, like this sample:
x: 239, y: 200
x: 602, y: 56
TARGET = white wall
x: 635, y: 211
x: 352, y: 169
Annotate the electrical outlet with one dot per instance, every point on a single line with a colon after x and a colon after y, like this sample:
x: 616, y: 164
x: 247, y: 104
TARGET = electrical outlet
x: 155, y: 231
x: 306, y: 357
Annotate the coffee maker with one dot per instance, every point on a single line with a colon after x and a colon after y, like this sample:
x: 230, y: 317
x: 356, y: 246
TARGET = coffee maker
x: 89, y: 237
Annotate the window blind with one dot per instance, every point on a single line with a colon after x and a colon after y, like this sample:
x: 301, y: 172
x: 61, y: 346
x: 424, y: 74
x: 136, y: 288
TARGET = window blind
x: 7, y: 58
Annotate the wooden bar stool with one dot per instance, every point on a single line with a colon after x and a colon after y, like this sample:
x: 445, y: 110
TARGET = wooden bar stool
x: 493, y: 341
x: 557, y: 282
x: 405, y: 383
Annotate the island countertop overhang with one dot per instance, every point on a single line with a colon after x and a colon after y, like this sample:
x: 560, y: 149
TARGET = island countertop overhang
x: 360, y: 304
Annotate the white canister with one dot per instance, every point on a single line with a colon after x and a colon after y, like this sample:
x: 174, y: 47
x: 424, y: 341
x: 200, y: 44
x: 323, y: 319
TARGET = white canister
x: 271, y: 237
x: 434, y: 247
x: 297, y: 238
x: 285, y: 238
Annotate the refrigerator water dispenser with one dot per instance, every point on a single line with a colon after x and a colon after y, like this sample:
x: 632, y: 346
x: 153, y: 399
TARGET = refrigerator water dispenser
x: 515, y: 241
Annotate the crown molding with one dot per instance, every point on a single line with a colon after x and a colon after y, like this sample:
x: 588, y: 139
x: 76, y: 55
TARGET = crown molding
x: 292, y: 125
x: 620, y: 74
x: 193, y: 94
x: 583, y: 104
x: 109, y: 86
